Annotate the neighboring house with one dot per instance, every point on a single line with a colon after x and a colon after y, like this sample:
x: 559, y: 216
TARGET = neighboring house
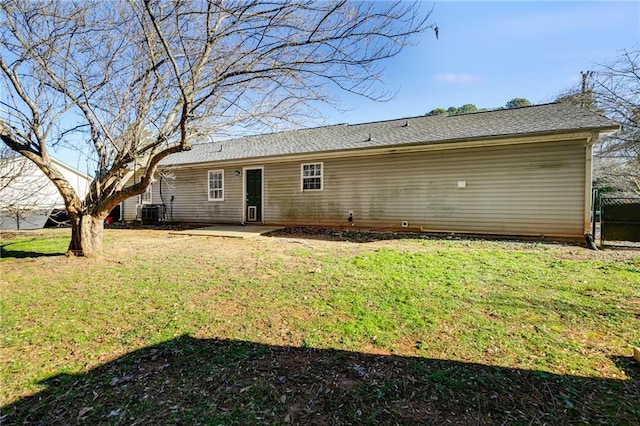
x: 27, y: 197
x: 524, y: 171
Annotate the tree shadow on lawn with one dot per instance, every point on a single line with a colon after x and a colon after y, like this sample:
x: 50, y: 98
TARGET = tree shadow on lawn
x: 191, y: 381
x: 21, y: 254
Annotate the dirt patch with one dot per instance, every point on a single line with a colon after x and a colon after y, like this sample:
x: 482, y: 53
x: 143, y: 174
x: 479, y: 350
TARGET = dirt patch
x: 354, y: 235
x: 368, y: 235
x: 8, y: 235
x: 121, y: 243
x: 566, y: 249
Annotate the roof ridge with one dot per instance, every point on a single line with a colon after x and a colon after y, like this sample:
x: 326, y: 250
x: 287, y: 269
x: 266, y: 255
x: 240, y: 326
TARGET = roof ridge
x: 390, y: 120
x: 539, y: 119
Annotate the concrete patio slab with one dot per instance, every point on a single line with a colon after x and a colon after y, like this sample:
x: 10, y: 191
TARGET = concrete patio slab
x: 229, y: 231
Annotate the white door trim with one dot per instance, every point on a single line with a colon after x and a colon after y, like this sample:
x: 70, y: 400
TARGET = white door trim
x: 244, y: 192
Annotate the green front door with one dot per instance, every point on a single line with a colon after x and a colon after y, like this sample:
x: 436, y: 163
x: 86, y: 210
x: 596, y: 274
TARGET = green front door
x: 253, y: 212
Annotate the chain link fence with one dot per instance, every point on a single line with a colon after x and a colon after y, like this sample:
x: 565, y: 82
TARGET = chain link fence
x: 620, y: 221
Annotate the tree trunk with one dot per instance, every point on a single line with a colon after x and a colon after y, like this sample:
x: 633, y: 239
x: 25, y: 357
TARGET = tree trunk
x: 86, y: 236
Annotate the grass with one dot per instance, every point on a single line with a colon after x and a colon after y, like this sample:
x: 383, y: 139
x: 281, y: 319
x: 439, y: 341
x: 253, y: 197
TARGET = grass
x: 36, y: 245
x: 176, y: 329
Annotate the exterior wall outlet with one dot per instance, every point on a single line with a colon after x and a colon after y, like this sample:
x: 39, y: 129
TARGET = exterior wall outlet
x: 462, y: 184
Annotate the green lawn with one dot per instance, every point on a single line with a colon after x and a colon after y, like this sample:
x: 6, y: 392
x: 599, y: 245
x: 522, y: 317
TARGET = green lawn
x: 176, y: 329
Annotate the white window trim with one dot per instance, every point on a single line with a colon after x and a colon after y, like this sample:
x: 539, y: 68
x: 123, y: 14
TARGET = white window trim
x: 209, y: 185
x: 302, y: 176
x: 149, y: 190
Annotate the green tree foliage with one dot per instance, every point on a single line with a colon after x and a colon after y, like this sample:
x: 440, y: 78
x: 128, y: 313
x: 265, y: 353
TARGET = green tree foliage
x: 464, y: 109
x: 517, y: 103
x: 467, y: 108
x: 437, y: 111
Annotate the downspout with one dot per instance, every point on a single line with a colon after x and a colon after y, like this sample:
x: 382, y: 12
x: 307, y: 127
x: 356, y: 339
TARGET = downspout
x: 137, y: 199
x: 164, y: 206
x: 588, y: 179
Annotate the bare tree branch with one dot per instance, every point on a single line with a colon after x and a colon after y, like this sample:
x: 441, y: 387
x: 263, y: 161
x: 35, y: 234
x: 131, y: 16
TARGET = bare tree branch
x: 138, y: 81
x: 613, y: 89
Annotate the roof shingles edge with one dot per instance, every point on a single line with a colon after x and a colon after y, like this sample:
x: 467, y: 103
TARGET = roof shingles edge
x: 533, y: 120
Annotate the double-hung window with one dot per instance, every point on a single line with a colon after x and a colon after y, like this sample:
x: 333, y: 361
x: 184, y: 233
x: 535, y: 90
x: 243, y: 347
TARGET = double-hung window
x: 312, y: 177
x: 216, y: 185
x: 146, y: 196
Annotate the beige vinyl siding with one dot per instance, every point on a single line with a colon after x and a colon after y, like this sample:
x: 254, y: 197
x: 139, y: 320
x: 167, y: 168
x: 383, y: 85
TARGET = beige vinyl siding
x: 190, y: 191
x: 130, y: 205
x: 528, y: 189
x: 129, y: 209
x: 523, y: 189
x: 189, y: 188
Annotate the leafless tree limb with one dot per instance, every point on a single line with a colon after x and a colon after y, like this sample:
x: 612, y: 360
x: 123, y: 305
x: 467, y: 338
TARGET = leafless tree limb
x: 614, y: 90
x: 138, y: 80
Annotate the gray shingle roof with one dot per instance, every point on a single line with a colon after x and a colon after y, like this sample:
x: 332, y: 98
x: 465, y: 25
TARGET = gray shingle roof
x: 539, y: 119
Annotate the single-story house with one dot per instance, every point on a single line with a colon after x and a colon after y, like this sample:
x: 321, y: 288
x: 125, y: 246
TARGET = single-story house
x: 524, y: 171
x: 28, y: 197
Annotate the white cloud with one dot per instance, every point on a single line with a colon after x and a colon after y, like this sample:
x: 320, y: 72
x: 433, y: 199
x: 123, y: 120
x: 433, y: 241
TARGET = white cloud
x: 457, y: 78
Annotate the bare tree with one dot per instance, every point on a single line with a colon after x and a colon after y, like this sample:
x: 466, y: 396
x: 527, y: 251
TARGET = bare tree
x: 109, y: 74
x: 613, y: 89
x: 24, y: 191
x: 616, y: 175
x: 616, y: 89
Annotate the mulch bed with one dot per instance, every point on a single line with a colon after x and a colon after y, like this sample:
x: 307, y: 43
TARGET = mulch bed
x: 371, y: 235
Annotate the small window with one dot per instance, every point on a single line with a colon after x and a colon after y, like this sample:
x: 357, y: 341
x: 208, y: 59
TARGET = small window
x: 216, y: 185
x: 146, y: 196
x: 312, y: 177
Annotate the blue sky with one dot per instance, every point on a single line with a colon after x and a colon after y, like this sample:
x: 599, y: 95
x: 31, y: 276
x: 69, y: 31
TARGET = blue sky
x: 490, y: 52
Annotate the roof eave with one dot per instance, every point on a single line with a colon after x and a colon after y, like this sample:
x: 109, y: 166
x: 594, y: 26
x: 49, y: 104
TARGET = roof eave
x: 457, y: 143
